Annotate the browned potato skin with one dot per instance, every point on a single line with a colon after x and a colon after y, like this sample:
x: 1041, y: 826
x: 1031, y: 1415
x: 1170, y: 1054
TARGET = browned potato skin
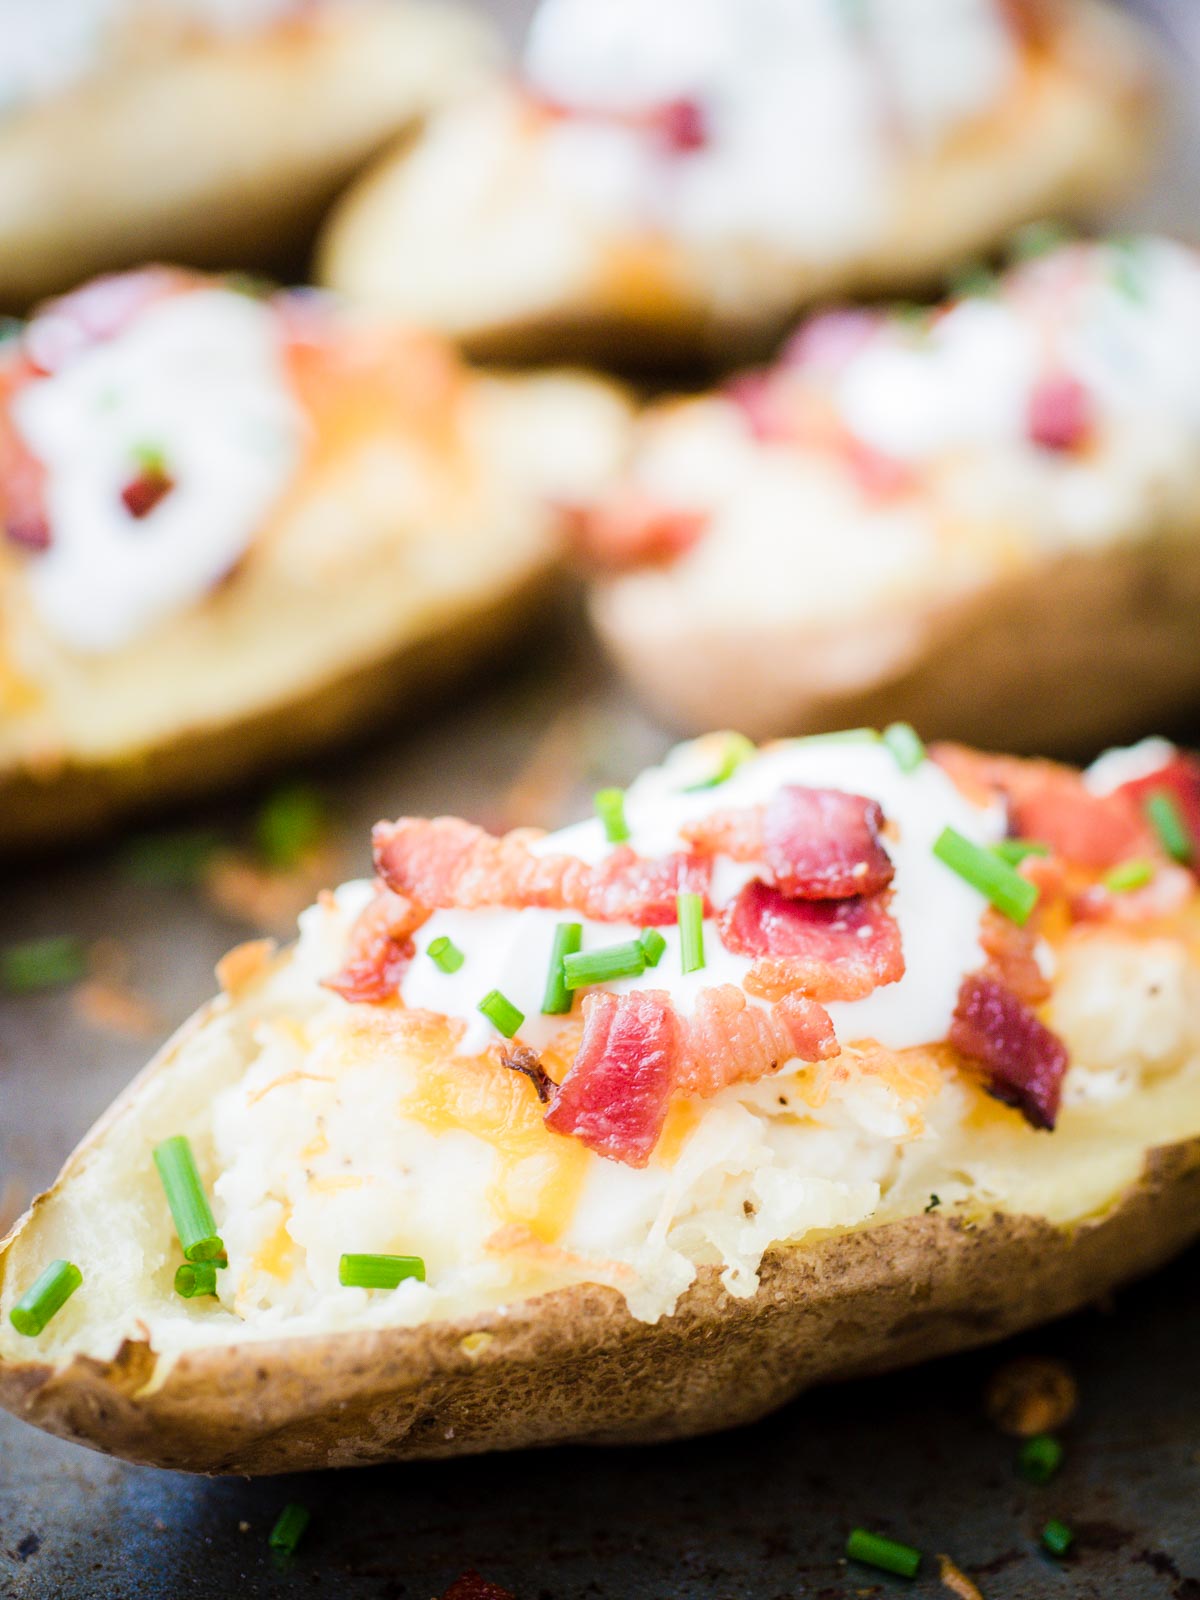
x: 220, y: 152
x: 1063, y: 656
x: 575, y: 1367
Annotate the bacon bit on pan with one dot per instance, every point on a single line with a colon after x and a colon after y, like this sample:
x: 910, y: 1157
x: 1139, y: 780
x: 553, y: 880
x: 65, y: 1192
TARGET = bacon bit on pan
x: 631, y: 529
x: 379, y: 949
x: 448, y: 863
x: 472, y: 1587
x: 141, y: 494
x: 112, y: 1007
x: 1025, y: 1062
x: 1012, y: 957
x: 727, y: 1040
x: 615, y: 1095
x: 524, y: 1060
x: 1031, y: 1395
x: 817, y: 844
x: 827, y: 949
x: 956, y: 1580
x: 1060, y: 414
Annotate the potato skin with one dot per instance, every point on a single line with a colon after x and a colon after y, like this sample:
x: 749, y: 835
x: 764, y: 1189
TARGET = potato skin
x: 1076, y: 137
x: 221, y: 152
x: 574, y: 1366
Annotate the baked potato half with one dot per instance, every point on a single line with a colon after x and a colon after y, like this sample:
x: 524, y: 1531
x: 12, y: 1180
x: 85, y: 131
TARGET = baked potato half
x: 983, y: 518
x: 237, y: 527
x: 204, y: 132
x: 672, y: 183
x: 936, y: 1078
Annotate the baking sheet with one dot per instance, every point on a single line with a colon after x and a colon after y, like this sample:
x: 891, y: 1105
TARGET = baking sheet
x: 760, y: 1514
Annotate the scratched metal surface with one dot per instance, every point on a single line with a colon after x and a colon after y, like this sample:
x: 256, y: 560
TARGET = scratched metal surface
x: 760, y: 1514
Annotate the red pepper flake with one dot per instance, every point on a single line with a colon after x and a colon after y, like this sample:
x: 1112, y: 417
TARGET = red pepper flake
x: 141, y: 494
x: 1060, y: 414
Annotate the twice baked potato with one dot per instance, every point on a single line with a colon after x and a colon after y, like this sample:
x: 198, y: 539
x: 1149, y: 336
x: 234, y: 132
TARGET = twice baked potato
x: 201, y: 130
x: 878, y: 1056
x: 235, y: 527
x: 676, y: 181
x: 984, y: 518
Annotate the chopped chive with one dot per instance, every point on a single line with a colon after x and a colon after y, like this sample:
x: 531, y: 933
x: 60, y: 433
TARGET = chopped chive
x: 289, y: 1529
x: 195, y: 1278
x: 291, y: 822
x: 935, y: 1201
x: 444, y: 953
x: 557, y: 1000
x: 42, y: 964
x: 49, y: 1293
x: 501, y: 1013
x: 653, y: 944
x: 973, y: 280
x: 192, y: 1214
x: 1014, y: 851
x: 736, y: 751
x: 1039, y: 1458
x: 173, y: 860
x: 1164, y: 816
x: 1129, y: 875
x: 1037, y: 239
x: 690, y: 911
x: 610, y: 808
x: 905, y: 744
x: 1057, y: 1537
x: 843, y: 736
x: 627, y: 960
x: 1007, y: 890
x: 886, y: 1554
x: 151, y: 459
x: 378, y: 1272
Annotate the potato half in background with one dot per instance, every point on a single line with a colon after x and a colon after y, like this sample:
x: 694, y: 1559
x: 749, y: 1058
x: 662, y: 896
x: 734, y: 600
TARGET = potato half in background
x: 833, y: 1075
x: 676, y: 180
x: 984, y: 518
x: 234, y: 527
x: 210, y: 131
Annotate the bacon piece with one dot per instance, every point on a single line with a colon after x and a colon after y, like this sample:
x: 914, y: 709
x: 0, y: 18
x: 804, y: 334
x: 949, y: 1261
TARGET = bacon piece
x: 615, y: 1095
x: 22, y: 475
x: 1025, y: 1062
x: 450, y: 863
x: 817, y: 844
x: 683, y: 125
x: 379, y: 948
x: 529, y: 1064
x: 630, y: 529
x: 729, y: 1040
x: 1180, y: 778
x: 141, y: 494
x: 827, y: 949
x: 1012, y: 957
x: 1060, y: 414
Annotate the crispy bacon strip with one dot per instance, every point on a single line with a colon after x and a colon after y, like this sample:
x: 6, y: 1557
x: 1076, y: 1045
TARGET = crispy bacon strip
x: 817, y: 844
x: 826, y: 949
x: 729, y: 1040
x: 450, y: 863
x: 380, y: 948
x: 1025, y: 1063
x: 1012, y: 957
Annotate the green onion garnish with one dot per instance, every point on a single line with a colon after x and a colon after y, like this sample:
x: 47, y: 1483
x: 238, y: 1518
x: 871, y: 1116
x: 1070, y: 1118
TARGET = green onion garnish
x: 195, y: 1278
x: 1007, y: 890
x: 905, y: 744
x: 379, y: 1272
x: 737, y: 750
x: 41, y: 964
x: 501, y: 1013
x: 49, y: 1294
x: 1037, y: 239
x: 690, y: 911
x: 886, y: 1554
x: 627, y: 960
x: 610, y: 808
x: 1039, y: 1458
x: 1014, y: 851
x: 843, y: 736
x: 557, y: 1000
x: 1057, y: 1537
x: 151, y: 460
x: 290, y: 824
x: 1165, y: 818
x: 192, y: 1214
x: 444, y: 953
x: 173, y: 860
x: 653, y: 944
x: 1129, y: 875
x: 289, y: 1530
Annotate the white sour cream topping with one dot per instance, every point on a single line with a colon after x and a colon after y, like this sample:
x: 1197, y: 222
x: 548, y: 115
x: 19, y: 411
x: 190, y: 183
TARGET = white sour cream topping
x: 937, y: 912
x: 199, y: 378
x: 806, y: 106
